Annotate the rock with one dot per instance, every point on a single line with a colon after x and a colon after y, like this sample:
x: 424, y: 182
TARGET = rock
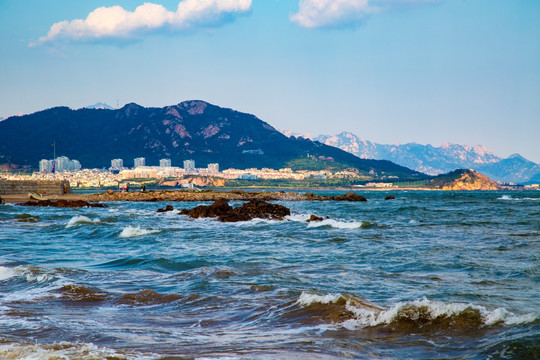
x: 350, y: 196
x: 110, y: 192
x: 62, y: 203
x: 389, y: 197
x: 249, y: 210
x: 218, y: 208
x: 256, y: 209
x: 167, y: 208
x: 314, y: 218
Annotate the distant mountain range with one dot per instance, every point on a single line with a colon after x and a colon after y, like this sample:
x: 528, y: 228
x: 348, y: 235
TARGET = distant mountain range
x: 437, y: 160
x: 189, y: 130
x: 100, y: 105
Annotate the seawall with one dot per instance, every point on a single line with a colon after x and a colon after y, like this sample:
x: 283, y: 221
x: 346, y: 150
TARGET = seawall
x: 42, y: 187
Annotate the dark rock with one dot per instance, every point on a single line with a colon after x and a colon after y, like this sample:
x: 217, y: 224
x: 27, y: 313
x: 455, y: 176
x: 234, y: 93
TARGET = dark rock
x: 389, y: 197
x: 249, y: 210
x: 350, y: 196
x: 218, y: 208
x: 167, y: 208
x: 256, y: 209
x: 315, y: 218
x: 63, y: 203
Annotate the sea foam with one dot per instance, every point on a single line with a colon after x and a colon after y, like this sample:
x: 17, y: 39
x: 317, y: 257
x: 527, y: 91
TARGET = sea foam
x: 6, y: 273
x: 81, y: 219
x: 136, y: 231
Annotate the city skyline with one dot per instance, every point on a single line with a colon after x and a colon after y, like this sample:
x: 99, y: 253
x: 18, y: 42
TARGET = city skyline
x: 389, y: 71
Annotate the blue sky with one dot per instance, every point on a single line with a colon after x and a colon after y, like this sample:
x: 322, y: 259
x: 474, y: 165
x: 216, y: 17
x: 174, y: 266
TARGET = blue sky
x: 390, y: 71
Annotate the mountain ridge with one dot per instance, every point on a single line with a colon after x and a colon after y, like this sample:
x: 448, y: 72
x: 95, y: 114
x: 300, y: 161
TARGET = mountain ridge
x: 435, y: 160
x: 192, y: 129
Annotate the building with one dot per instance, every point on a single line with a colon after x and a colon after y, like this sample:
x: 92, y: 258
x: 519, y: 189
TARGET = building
x: 61, y: 164
x: 45, y: 166
x: 165, y: 163
x: 117, y: 164
x: 189, y: 165
x: 140, y: 161
x: 214, y: 168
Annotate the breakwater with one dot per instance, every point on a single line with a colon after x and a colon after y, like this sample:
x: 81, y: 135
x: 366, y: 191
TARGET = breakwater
x: 42, y: 187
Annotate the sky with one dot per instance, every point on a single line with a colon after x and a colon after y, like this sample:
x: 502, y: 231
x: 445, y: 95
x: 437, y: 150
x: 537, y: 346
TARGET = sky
x: 389, y: 71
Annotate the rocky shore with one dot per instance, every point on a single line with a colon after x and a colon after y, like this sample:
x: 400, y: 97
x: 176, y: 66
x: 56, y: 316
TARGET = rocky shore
x: 235, y: 195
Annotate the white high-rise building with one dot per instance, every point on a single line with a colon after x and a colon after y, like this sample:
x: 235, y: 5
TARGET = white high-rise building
x: 45, y: 166
x: 214, y: 168
x: 117, y: 164
x: 75, y: 165
x: 62, y: 164
x: 165, y: 163
x: 189, y: 165
x: 140, y: 161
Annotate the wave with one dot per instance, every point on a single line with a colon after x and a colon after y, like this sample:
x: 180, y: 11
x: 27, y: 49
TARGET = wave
x: 136, y: 231
x: 329, y: 223
x: 509, y: 197
x: 355, y: 313
x: 66, y: 350
x: 6, y: 273
x: 31, y: 274
x: 81, y: 219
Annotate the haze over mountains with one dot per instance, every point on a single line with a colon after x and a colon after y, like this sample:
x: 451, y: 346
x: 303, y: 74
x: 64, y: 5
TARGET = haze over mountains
x: 437, y: 160
x: 189, y: 130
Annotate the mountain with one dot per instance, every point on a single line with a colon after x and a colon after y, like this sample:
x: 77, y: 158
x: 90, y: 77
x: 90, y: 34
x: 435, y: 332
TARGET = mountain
x: 438, y: 160
x: 462, y: 179
x: 189, y: 130
x: 514, y: 168
x: 99, y: 105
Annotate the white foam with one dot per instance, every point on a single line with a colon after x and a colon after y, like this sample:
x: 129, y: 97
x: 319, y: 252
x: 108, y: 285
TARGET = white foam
x: 335, y: 224
x: 6, y: 273
x: 307, y: 299
x: 65, y: 350
x: 81, y: 219
x: 131, y: 231
x: 508, y: 197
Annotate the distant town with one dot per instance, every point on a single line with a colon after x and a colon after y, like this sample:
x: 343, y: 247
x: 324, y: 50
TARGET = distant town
x: 118, y: 175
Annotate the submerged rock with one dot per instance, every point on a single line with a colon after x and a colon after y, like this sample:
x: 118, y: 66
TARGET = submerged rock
x: 167, y: 208
x: 389, y: 197
x: 62, y: 203
x: 248, y: 211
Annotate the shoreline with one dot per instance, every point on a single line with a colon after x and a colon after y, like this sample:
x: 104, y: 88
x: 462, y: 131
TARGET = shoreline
x: 212, y: 195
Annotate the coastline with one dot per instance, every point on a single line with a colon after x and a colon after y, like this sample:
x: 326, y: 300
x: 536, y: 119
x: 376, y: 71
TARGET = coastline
x: 212, y: 195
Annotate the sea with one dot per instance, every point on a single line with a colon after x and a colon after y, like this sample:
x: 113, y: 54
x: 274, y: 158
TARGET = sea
x: 429, y: 275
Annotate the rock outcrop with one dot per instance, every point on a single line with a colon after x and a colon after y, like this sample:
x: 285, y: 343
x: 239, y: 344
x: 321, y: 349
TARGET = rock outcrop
x: 248, y: 211
x: 461, y: 179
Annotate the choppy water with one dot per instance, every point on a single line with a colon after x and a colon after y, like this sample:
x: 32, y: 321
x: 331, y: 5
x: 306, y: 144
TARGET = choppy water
x: 430, y: 275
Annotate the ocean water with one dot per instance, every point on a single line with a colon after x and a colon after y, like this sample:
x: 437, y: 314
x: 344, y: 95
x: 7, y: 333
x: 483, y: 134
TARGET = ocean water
x: 430, y: 275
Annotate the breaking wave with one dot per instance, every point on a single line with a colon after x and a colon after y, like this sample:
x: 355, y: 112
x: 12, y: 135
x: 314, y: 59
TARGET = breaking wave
x: 6, y: 273
x: 355, y: 313
x: 66, y: 350
x: 509, y: 197
x: 329, y: 223
x: 136, y: 231
x: 81, y: 219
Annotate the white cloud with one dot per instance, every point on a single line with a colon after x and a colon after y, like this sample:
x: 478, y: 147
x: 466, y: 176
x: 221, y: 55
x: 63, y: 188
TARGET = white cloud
x: 116, y: 22
x: 338, y: 13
